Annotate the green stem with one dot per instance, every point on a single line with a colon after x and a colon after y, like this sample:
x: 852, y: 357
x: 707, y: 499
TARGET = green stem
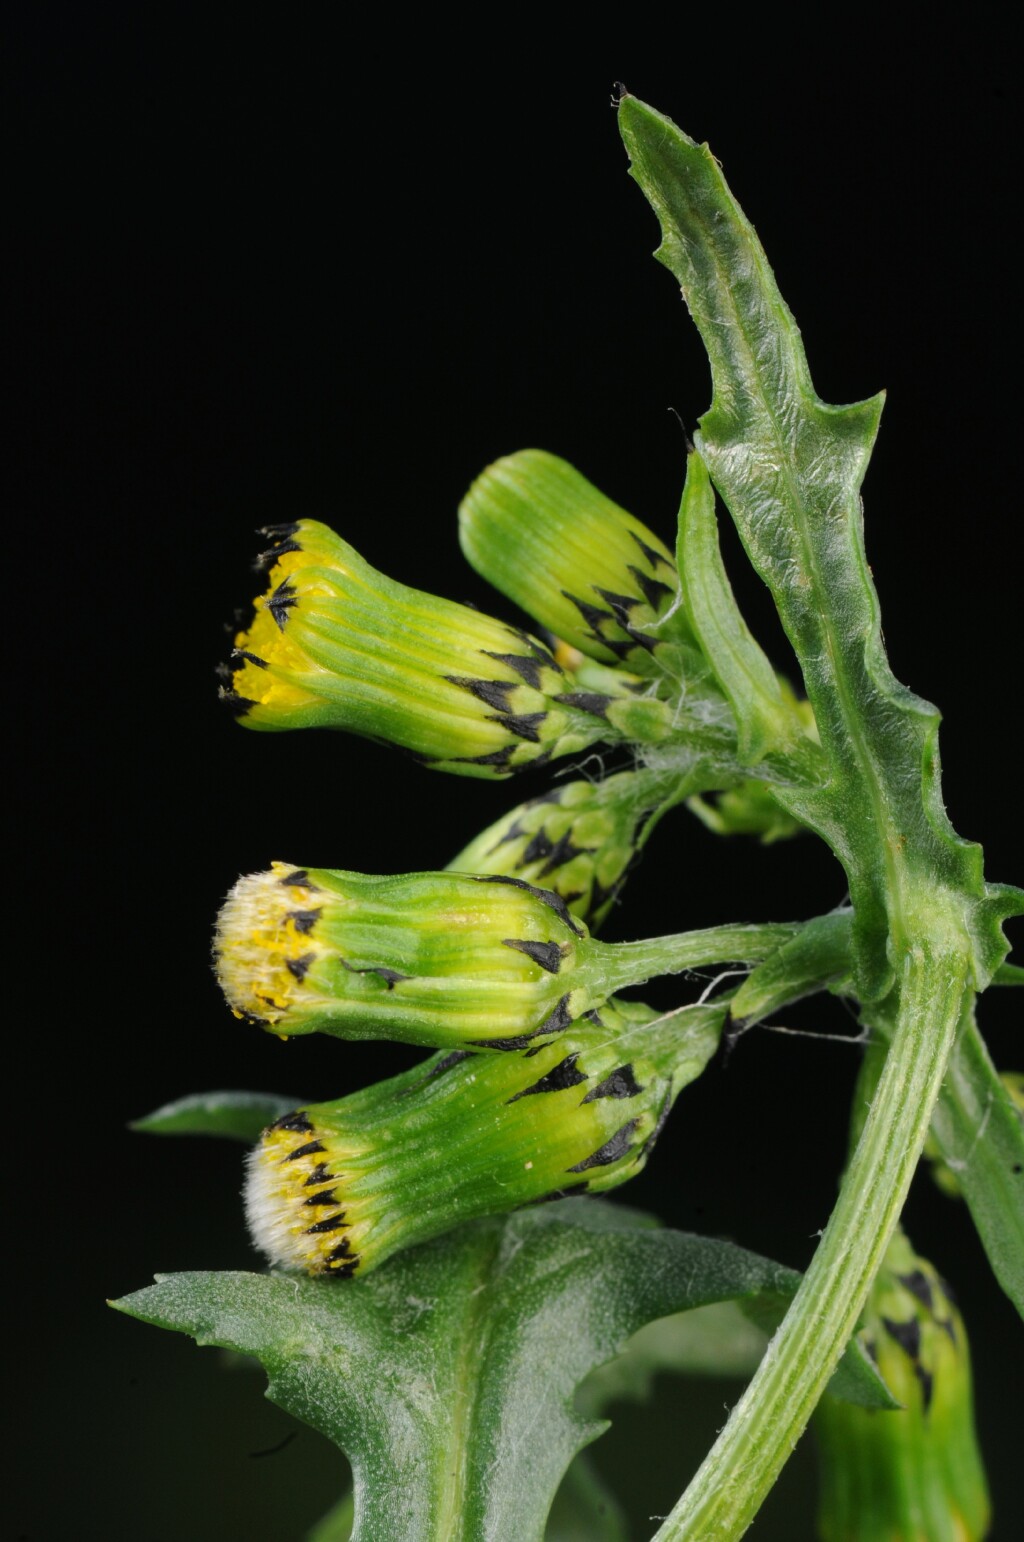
x: 612, y: 966
x: 769, y: 1419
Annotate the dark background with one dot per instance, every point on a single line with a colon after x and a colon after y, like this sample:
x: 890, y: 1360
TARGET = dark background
x: 265, y: 272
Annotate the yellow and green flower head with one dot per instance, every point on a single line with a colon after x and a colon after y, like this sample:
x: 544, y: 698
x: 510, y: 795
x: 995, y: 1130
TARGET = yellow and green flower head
x: 333, y: 643
x: 912, y: 1474
x: 335, y: 1188
x: 427, y: 958
x: 571, y: 558
x: 579, y: 839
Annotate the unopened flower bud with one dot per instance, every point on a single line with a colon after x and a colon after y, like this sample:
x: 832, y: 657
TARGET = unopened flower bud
x: 747, y: 809
x: 580, y: 839
x: 912, y: 1474
x: 335, y: 1188
x: 570, y: 557
x: 435, y: 958
x: 427, y: 958
x: 336, y: 644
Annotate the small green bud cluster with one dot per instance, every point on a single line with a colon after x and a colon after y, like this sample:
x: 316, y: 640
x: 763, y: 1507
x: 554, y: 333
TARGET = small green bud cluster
x: 913, y: 1474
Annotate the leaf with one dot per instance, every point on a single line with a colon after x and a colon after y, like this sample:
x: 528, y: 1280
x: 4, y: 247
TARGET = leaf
x: 981, y: 1135
x: 237, y: 1115
x: 447, y: 1376
x: 763, y: 717
x: 789, y: 468
x: 715, y: 1340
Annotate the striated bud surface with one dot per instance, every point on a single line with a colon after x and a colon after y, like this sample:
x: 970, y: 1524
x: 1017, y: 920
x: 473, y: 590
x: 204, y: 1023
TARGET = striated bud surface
x: 335, y: 1188
x: 333, y: 643
x: 426, y: 958
x: 571, y: 558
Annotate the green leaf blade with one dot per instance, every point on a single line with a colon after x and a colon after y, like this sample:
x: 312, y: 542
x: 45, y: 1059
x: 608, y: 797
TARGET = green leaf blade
x: 235, y: 1115
x: 448, y: 1375
x: 981, y: 1135
x: 743, y: 670
x: 789, y: 468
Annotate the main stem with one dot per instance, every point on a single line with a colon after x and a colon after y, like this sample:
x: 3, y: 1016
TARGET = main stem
x: 769, y: 1419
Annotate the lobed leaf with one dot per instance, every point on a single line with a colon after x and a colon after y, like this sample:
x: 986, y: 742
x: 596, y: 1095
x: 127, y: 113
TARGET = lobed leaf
x: 789, y: 467
x: 448, y: 1375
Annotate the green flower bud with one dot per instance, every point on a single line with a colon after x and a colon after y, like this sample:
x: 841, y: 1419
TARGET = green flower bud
x: 335, y: 644
x: 427, y: 958
x: 913, y: 1474
x: 335, y: 1188
x: 584, y: 568
x: 580, y: 839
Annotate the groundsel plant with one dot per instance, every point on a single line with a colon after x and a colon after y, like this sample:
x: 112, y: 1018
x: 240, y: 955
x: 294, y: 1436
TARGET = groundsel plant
x: 441, y: 1279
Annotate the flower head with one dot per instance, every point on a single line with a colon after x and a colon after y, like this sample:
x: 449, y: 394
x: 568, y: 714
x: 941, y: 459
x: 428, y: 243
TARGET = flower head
x: 571, y: 558
x: 333, y: 643
x: 428, y: 958
x: 335, y: 1188
x: 580, y: 839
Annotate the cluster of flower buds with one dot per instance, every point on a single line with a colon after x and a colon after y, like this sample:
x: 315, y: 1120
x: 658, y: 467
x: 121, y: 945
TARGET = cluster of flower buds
x: 333, y: 643
x: 493, y: 955
x: 335, y: 1188
x: 580, y: 839
x: 913, y: 1474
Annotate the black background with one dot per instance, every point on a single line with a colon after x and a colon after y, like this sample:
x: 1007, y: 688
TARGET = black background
x: 265, y: 271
